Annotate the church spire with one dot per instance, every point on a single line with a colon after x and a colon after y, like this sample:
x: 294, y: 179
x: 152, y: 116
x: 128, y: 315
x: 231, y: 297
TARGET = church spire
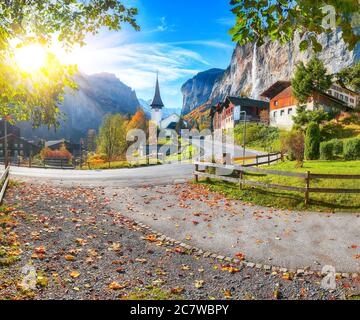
x: 157, y: 102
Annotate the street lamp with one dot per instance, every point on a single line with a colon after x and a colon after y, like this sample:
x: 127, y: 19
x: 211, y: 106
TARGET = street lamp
x: 244, y: 144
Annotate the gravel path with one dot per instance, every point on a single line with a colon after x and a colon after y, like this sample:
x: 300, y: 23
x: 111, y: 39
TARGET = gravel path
x: 83, y: 249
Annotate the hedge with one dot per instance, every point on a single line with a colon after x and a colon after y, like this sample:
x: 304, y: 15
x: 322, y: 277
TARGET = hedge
x: 352, y: 149
x: 312, y: 142
x: 327, y: 150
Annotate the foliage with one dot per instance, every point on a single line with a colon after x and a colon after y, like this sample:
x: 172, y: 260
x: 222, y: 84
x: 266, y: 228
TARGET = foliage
x: 350, y: 77
x: 61, y: 153
x: 265, y: 117
x: 352, y: 149
x: 327, y: 150
x: 338, y: 146
x: 181, y: 125
x: 312, y: 142
x: 304, y: 116
x: 138, y: 121
x: 257, y: 21
x: 293, y: 144
x: 36, y: 96
x: 307, y: 78
x: 112, y: 136
x: 258, y: 136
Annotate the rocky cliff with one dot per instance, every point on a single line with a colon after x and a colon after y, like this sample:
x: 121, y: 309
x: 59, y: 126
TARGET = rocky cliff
x: 252, y: 69
x: 84, y: 109
x: 197, y: 90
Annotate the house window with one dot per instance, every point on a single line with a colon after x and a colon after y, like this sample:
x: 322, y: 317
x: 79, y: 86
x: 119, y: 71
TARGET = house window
x: 346, y: 98
x: 341, y: 97
x: 275, y: 114
x: 21, y: 152
x: 351, y: 100
x: 290, y: 111
x: 282, y: 113
x: 21, y: 145
x: 15, y: 145
x: 276, y: 103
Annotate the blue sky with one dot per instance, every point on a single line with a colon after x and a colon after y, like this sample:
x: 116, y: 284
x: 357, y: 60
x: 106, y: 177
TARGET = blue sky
x: 177, y: 38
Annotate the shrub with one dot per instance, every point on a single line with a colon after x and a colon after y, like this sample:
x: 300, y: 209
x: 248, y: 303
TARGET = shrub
x: 312, y: 142
x: 338, y: 147
x: 327, y: 150
x: 293, y: 144
x: 62, y: 153
x: 352, y: 149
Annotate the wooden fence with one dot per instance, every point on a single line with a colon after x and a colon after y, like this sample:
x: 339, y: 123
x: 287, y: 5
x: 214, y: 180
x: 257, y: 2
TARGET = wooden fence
x: 258, y: 159
x: 306, y: 177
x: 4, y: 181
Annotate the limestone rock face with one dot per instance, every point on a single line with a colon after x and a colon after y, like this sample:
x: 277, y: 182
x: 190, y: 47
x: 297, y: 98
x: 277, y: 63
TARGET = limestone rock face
x: 197, y: 90
x: 273, y: 62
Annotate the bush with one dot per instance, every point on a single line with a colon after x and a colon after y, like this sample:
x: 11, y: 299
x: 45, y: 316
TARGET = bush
x: 352, y: 149
x: 62, y: 153
x: 312, y: 142
x: 327, y: 150
x: 257, y: 135
x: 293, y: 145
x: 338, y: 147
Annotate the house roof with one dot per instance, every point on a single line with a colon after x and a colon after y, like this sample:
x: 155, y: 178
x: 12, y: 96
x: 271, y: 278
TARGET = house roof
x: 246, y: 102
x: 54, y: 142
x: 18, y: 138
x: 275, y: 89
x: 157, y: 101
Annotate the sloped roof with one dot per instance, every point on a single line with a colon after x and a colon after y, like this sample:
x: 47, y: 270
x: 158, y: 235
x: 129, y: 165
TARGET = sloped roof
x: 247, y: 102
x: 157, y: 101
x: 275, y: 89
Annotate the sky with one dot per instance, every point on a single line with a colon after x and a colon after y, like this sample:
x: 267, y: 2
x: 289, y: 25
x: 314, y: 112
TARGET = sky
x: 177, y: 38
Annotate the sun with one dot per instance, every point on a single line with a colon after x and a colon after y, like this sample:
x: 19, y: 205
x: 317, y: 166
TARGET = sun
x: 30, y: 58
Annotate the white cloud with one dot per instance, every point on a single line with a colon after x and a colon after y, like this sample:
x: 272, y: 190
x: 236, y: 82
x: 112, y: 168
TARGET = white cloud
x: 229, y: 22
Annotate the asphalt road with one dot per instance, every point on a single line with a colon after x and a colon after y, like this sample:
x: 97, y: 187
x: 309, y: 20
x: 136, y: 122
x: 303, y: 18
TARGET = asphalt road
x: 155, y: 175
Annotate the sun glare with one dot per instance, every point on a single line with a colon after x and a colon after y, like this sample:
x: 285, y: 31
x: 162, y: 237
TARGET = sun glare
x: 30, y: 58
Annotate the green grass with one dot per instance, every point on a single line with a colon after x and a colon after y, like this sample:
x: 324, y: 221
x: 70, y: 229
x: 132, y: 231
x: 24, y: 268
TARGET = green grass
x: 117, y: 165
x: 295, y: 200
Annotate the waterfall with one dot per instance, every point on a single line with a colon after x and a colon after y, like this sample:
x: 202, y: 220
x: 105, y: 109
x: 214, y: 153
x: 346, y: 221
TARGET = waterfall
x: 254, y: 75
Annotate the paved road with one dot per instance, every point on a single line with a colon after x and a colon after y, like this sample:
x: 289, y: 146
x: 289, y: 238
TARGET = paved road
x: 269, y: 236
x: 162, y: 174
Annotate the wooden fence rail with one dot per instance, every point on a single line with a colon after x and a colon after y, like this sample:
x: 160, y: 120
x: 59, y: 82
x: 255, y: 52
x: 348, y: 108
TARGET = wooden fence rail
x: 4, y: 181
x: 307, y: 177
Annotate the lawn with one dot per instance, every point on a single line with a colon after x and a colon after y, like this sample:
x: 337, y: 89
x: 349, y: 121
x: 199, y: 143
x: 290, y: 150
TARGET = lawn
x: 295, y: 200
x: 117, y: 165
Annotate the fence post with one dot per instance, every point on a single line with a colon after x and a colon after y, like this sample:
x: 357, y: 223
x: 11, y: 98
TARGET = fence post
x: 282, y: 156
x: 307, y: 179
x: 241, y: 178
x: 257, y: 160
x: 268, y: 158
x: 196, y: 176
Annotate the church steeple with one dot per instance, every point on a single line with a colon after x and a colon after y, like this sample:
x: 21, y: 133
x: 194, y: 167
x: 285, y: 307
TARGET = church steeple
x: 157, y: 102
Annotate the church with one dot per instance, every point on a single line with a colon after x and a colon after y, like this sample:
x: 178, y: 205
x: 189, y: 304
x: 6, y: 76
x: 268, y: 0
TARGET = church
x: 157, y: 106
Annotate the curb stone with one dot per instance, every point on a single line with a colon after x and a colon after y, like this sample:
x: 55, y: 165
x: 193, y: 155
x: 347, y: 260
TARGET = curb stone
x: 207, y: 254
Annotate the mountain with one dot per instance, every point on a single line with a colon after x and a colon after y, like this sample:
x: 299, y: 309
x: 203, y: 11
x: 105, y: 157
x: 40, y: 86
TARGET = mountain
x: 165, y: 111
x: 252, y: 70
x: 197, y: 90
x: 84, y: 108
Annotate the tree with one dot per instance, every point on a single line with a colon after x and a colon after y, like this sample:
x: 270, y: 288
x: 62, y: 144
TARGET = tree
x: 265, y: 117
x: 312, y: 142
x: 112, y: 136
x: 181, y: 125
x: 257, y: 21
x: 307, y: 78
x: 350, y: 77
x: 36, y: 97
x: 138, y: 121
x: 303, y: 117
